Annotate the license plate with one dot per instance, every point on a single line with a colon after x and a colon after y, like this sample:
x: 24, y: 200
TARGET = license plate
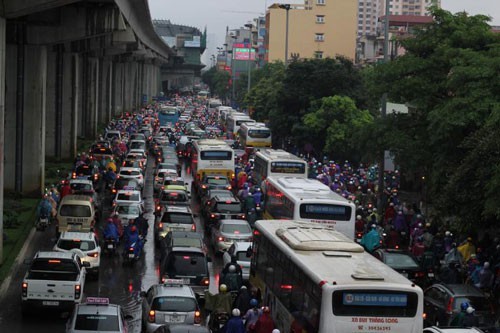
x: 431, y: 275
x: 50, y: 303
x: 131, y: 255
x: 110, y: 246
x: 173, y: 319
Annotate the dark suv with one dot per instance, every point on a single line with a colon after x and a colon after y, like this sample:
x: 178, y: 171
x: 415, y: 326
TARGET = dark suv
x: 442, y: 304
x: 222, y: 209
x: 212, y: 193
x: 213, y: 182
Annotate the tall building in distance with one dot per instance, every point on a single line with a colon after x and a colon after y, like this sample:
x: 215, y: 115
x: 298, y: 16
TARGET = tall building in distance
x: 316, y: 29
x: 404, y: 14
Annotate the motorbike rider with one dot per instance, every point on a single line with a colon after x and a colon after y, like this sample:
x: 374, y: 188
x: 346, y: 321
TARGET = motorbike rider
x: 142, y: 225
x: 217, y: 304
x: 359, y: 226
x: 470, y: 320
x: 242, y: 301
x: 44, y: 208
x: 109, y: 176
x: 111, y: 231
x: 235, y: 323
x: 252, y: 315
x: 232, y: 279
x: 371, y: 240
x: 133, y: 240
x: 458, y: 320
x: 265, y: 323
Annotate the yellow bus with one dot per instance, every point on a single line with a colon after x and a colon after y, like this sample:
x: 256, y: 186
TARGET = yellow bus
x: 211, y: 157
x: 255, y: 135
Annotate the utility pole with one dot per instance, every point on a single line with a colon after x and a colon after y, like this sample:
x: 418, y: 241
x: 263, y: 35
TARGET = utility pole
x: 250, y: 47
x: 287, y: 8
x: 383, y: 111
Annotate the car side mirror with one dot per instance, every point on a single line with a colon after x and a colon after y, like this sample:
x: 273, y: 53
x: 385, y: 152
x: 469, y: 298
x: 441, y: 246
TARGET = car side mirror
x: 249, y: 252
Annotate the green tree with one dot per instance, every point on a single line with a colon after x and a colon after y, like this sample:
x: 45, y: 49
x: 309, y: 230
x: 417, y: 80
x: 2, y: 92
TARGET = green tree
x: 449, y: 77
x: 221, y: 84
x: 332, y: 125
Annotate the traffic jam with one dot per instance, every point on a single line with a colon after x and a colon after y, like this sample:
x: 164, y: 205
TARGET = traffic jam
x: 172, y: 202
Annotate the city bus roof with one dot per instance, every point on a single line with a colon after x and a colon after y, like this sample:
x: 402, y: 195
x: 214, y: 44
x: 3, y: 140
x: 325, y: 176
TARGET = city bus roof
x: 327, y: 255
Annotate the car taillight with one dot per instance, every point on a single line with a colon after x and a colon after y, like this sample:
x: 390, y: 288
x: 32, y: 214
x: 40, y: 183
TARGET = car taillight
x: 242, y: 216
x: 160, y: 226
x: 151, y: 316
x: 93, y: 254
x: 419, y: 274
x: 96, y: 176
x: 197, y: 317
x: 220, y: 239
x: 205, y: 281
x: 113, y: 191
x: 193, y: 227
x: 229, y: 187
x: 449, y: 307
x: 24, y: 289
x: 73, y: 175
x: 203, y: 186
x: 131, y: 249
x: 158, y: 208
x: 78, y: 291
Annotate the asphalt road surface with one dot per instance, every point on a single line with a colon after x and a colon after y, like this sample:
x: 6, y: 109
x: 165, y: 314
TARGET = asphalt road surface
x: 120, y: 283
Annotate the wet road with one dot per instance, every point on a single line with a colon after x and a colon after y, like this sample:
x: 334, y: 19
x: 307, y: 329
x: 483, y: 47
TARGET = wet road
x: 122, y: 284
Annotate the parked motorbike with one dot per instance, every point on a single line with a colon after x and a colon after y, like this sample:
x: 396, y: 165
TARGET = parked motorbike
x: 217, y: 321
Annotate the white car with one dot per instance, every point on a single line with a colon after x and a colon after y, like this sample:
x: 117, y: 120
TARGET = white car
x: 128, y: 212
x: 240, y: 251
x: 97, y: 315
x: 137, y: 155
x: 128, y: 197
x: 134, y: 173
x: 84, y: 244
x: 137, y: 145
x: 160, y: 177
x: 227, y: 232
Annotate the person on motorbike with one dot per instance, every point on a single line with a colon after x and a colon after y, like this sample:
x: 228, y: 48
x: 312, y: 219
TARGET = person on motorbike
x: 470, y: 319
x: 109, y: 176
x: 486, y: 277
x: 265, y: 323
x: 418, y: 248
x: 359, y: 225
x: 257, y: 196
x: 467, y: 248
x: 453, y: 256
x: 118, y: 223
x: 142, y: 225
x: 232, y: 279
x: 242, y: 301
x: 458, y: 320
x: 234, y: 324
x: 371, y: 240
x: 44, y: 208
x: 448, y: 241
x: 217, y: 304
x: 252, y: 315
x: 111, y: 231
x: 133, y: 240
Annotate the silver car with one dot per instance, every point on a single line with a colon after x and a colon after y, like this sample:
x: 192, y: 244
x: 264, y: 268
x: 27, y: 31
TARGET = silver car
x: 226, y: 232
x: 171, y: 302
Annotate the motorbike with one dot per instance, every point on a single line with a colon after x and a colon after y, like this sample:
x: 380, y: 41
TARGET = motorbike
x: 110, y: 246
x: 359, y: 235
x: 217, y: 321
x: 42, y: 223
x: 130, y: 255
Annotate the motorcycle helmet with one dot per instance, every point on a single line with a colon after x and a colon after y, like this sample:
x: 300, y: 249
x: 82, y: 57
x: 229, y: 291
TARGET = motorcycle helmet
x: 254, y: 302
x: 464, y: 306
x: 232, y: 269
x: 470, y: 310
x: 222, y: 288
x: 236, y: 312
x: 358, y: 217
x: 266, y: 309
x: 133, y: 228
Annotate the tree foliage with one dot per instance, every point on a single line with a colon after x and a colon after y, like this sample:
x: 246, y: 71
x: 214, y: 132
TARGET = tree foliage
x: 449, y: 77
x: 217, y: 81
x: 333, y: 124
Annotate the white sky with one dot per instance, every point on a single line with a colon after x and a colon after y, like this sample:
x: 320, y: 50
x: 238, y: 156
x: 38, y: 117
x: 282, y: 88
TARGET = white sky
x: 217, y: 14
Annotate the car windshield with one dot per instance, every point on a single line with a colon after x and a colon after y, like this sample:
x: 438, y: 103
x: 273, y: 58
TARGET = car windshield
x: 217, y: 181
x: 400, y: 260
x: 69, y: 244
x: 177, y: 218
x: 187, y: 242
x: 229, y: 207
x: 229, y: 228
x: 186, y: 264
x: 128, y: 197
x: 97, y: 323
x: 177, y: 304
x: 137, y: 145
x: 129, y: 173
x: 130, y: 164
x: 477, y: 302
x: 75, y: 210
x: 121, y: 183
x: 173, y: 196
x: 128, y: 209
x: 242, y: 256
x: 83, y: 170
x: 81, y: 187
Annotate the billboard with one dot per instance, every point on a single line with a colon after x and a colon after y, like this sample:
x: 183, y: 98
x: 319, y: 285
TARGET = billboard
x: 242, y: 54
x: 196, y: 42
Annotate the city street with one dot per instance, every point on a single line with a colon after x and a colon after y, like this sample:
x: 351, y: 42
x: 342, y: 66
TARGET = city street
x: 120, y: 283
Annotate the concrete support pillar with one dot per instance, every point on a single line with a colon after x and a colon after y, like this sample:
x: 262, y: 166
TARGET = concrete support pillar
x: 2, y: 117
x: 75, y: 102
x: 109, y: 90
x: 92, y: 97
x: 105, y: 84
x: 67, y: 141
x: 50, y: 119
x: 34, y: 121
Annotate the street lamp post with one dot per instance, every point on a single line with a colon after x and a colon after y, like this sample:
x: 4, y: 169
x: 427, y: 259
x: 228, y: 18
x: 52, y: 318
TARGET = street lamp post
x: 233, y: 68
x: 250, y: 47
x: 287, y: 8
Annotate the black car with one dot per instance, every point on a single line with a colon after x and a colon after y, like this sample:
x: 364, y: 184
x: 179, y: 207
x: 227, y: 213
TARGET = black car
x: 213, y: 182
x: 125, y: 184
x: 404, y: 263
x: 179, y: 238
x: 442, y: 304
x: 222, y: 209
x: 212, y: 193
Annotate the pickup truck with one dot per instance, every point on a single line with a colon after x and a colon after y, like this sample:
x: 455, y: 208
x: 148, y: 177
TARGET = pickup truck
x: 55, y: 280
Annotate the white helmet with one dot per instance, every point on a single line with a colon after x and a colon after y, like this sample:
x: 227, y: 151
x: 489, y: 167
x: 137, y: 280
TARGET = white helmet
x: 236, y: 312
x: 232, y: 269
x: 358, y: 217
x: 470, y: 310
x: 276, y: 331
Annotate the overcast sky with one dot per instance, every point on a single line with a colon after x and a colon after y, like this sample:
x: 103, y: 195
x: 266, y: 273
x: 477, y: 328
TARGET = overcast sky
x: 217, y: 14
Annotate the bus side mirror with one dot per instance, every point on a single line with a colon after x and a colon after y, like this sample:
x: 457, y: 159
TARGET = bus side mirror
x: 249, y: 252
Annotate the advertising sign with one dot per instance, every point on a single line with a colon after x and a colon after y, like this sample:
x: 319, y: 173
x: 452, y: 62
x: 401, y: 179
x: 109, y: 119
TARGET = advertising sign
x: 242, y: 54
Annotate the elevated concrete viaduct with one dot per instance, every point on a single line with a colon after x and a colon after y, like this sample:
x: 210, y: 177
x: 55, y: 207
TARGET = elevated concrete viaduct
x: 67, y: 66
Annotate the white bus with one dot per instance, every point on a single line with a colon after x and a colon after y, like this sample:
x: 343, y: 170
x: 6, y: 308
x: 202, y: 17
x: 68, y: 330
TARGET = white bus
x: 214, y: 103
x: 234, y: 121
x: 255, y: 135
x: 309, y: 200
x: 210, y: 156
x: 314, y: 279
x: 278, y: 162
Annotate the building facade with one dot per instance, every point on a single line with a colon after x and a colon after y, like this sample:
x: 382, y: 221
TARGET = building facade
x: 316, y: 29
x: 188, y: 43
